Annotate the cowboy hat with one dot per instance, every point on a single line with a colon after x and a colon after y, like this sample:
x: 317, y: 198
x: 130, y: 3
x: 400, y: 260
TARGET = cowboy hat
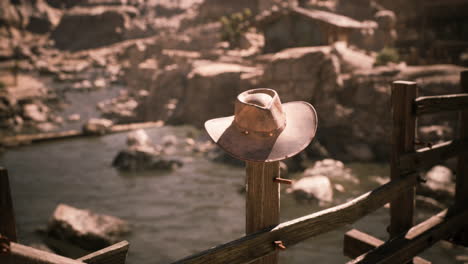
x: 263, y: 129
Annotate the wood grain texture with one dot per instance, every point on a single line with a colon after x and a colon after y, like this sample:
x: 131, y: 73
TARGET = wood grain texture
x: 259, y: 244
x: 262, y: 201
x: 7, y: 214
x: 21, y: 254
x: 428, y: 157
x: 403, y: 134
x: 115, y: 254
x: 357, y: 243
x: 441, y: 103
x: 461, y: 189
x: 422, y: 236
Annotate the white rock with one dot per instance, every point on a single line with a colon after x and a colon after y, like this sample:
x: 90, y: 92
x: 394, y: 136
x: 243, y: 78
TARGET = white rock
x: 314, y: 187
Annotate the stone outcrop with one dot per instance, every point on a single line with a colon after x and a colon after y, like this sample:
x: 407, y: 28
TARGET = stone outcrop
x: 207, y: 91
x: 367, y: 94
x: 85, y: 229
x: 34, y: 16
x: 142, y: 154
x: 85, y: 28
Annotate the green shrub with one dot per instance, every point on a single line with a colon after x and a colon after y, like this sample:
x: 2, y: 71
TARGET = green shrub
x: 233, y: 26
x: 387, y: 55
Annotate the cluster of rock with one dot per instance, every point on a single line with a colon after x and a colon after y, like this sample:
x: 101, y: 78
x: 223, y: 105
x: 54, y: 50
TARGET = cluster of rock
x: 142, y: 154
x: 27, y: 107
x: 179, y: 71
x: 47, y: 47
x: 319, y: 182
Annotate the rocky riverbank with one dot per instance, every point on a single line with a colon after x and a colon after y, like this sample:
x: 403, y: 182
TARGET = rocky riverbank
x: 174, y: 67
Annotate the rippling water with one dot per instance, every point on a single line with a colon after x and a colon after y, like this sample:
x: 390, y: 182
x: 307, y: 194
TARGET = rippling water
x: 172, y: 214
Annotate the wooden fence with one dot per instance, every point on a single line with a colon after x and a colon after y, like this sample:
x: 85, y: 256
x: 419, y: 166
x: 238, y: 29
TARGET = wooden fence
x: 406, y: 240
x: 12, y: 252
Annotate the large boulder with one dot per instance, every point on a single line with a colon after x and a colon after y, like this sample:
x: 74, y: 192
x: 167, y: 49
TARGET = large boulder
x: 167, y: 93
x: 211, y: 91
x: 310, y: 74
x: 91, y: 27
x: 438, y: 184
x: 317, y: 187
x: 207, y: 91
x: 85, y: 229
x: 35, y: 112
x: 142, y: 154
x: 307, y: 73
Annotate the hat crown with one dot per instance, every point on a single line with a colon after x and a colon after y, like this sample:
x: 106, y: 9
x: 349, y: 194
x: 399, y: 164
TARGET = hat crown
x: 259, y: 110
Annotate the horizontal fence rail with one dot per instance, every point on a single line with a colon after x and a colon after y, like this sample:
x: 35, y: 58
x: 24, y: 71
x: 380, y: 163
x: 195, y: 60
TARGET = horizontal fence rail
x: 24, y: 254
x: 21, y: 254
x: 257, y: 245
x: 357, y: 243
x: 436, y: 104
x: 422, y: 236
x: 426, y: 157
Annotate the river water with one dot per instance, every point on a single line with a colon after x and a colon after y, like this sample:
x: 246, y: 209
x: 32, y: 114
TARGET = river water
x: 172, y: 214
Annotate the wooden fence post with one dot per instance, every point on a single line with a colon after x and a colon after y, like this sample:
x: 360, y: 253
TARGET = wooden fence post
x: 262, y: 201
x: 403, y: 134
x: 7, y: 219
x: 7, y: 216
x: 461, y: 189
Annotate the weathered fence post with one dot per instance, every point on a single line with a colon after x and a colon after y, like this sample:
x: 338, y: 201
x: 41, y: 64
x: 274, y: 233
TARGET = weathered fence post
x: 403, y: 134
x: 7, y: 218
x: 262, y: 132
x: 461, y: 189
x: 262, y: 200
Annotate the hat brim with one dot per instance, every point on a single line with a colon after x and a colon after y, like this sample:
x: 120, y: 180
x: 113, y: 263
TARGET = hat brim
x: 301, y: 126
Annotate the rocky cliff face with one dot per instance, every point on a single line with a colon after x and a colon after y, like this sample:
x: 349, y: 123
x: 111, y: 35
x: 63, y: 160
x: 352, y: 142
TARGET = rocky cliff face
x: 184, y: 74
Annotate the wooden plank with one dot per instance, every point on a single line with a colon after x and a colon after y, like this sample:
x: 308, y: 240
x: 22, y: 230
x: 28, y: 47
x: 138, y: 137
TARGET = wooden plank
x: 21, y: 254
x: 26, y: 139
x: 461, y: 189
x: 422, y: 236
x: 441, y: 103
x: 428, y: 157
x: 262, y: 201
x: 115, y: 254
x: 134, y: 126
x: 357, y: 243
x: 7, y: 215
x: 403, y: 133
x: 253, y: 246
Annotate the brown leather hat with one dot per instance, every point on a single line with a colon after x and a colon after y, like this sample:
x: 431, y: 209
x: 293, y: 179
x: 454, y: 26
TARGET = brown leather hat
x: 263, y: 129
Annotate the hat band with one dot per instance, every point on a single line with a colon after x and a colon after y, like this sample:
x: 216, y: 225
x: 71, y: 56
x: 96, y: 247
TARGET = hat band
x: 271, y: 133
